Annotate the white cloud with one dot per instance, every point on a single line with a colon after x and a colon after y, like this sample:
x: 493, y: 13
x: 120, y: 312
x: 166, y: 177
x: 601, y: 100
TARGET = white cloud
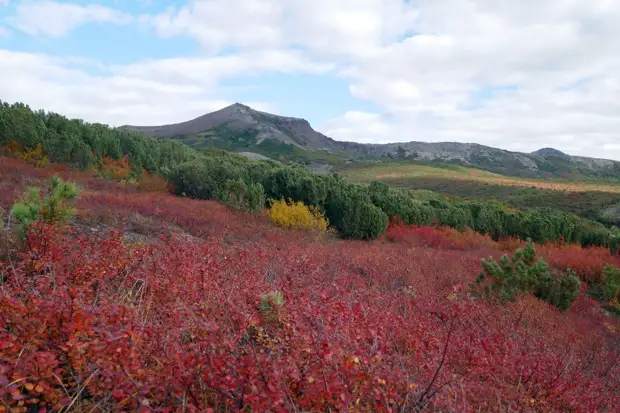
x: 55, y: 19
x: 349, y: 28
x: 344, y: 27
x: 224, y: 23
x: 560, y: 57
x: 4, y: 32
x: 363, y: 127
x: 518, y: 75
x: 208, y: 71
x: 155, y: 92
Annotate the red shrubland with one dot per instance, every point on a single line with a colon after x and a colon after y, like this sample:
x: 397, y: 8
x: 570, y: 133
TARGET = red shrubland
x: 588, y: 263
x: 97, y: 324
x: 176, y: 324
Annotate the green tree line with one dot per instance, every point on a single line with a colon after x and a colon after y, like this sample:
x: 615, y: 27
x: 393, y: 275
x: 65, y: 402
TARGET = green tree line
x: 356, y: 211
x: 84, y: 145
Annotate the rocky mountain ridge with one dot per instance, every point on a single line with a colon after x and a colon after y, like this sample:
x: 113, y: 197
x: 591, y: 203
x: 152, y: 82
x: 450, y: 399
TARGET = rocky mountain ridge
x: 239, y: 127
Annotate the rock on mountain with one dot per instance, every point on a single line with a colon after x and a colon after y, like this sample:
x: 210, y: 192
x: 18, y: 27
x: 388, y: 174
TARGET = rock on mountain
x: 239, y: 127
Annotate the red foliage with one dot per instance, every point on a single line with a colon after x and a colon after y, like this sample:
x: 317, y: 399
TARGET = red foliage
x: 116, y: 169
x: 588, y: 263
x: 12, y: 149
x: 414, y: 235
x: 174, y: 325
x: 440, y: 237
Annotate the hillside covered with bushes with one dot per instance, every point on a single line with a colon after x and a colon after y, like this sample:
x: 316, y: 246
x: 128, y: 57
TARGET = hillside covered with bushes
x: 355, y: 211
x: 597, y: 200
x: 145, y: 301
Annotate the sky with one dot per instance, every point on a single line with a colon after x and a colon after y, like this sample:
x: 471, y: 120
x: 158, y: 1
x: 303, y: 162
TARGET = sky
x: 519, y: 75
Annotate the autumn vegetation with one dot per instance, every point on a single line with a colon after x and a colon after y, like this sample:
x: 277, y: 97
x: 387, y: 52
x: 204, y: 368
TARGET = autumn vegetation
x: 354, y: 211
x: 297, y: 216
x: 216, y: 309
x: 586, y: 201
x: 154, y: 279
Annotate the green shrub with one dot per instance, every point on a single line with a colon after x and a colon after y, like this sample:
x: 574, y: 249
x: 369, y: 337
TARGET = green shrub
x: 28, y: 210
x: 202, y: 180
x: 611, y: 283
x: 362, y: 221
x: 397, y: 204
x: 455, y: 217
x: 349, y: 209
x: 53, y: 208
x: 486, y: 219
x: 246, y: 197
x: 271, y: 301
x: 504, y: 281
x: 295, y: 183
x: 558, y: 291
x: 614, y: 241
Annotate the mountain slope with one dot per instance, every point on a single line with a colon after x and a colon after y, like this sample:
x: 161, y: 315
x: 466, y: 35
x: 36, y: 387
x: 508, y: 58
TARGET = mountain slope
x: 240, y: 120
x: 241, y: 128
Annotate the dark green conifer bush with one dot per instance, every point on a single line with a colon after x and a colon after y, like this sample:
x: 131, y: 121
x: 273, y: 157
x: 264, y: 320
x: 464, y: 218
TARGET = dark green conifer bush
x: 504, y: 281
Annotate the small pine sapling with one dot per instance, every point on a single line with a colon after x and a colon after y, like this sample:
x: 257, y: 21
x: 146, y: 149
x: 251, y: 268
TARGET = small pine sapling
x: 611, y: 283
x: 53, y: 208
x: 525, y: 274
x: 270, y: 306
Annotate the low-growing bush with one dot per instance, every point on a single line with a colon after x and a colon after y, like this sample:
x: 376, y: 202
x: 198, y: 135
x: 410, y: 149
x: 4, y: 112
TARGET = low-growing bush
x: 116, y: 169
x: 242, y: 196
x: 412, y: 235
x: 589, y: 263
x: 439, y: 237
x: 611, y: 283
x: 296, y: 215
x: 35, y: 156
x: 504, y: 281
x: 349, y: 210
x: 52, y: 208
x: 269, y: 308
x: 151, y: 182
x: 362, y: 221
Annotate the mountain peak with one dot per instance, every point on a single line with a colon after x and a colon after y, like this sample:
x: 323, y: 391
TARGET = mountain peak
x: 239, y: 127
x: 235, y: 107
x: 544, y: 152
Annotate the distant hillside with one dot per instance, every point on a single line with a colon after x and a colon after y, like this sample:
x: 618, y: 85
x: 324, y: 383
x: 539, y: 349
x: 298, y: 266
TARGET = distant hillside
x: 243, y: 129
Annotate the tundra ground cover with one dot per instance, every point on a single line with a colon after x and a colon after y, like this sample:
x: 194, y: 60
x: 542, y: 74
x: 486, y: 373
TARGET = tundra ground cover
x: 595, y: 205
x: 91, y: 322
x: 400, y: 172
x: 593, y: 200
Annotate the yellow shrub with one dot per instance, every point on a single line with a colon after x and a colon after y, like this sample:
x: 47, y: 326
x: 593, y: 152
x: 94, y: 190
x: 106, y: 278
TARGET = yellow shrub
x: 35, y: 156
x: 296, y: 215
